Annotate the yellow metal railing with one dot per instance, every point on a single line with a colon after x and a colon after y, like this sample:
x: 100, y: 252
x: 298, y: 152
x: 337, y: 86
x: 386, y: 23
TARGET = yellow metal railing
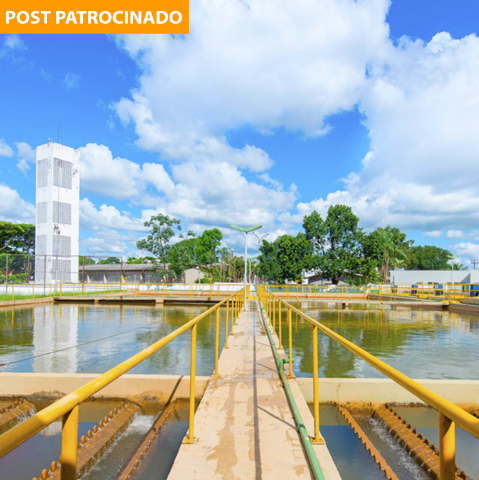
x: 449, y: 414
x: 68, y: 407
x: 34, y: 291
x: 445, y: 292
x: 463, y: 293
x: 319, y: 291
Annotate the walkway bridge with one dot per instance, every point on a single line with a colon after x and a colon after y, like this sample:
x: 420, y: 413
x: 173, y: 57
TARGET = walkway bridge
x: 253, y: 420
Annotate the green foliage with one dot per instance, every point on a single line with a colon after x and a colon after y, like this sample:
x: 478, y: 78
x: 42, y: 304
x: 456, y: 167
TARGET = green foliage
x: 336, y: 243
x: 429, y: 258
x: 269, y: 267
x: 86, y: 261
x: 206, y: 246
x: 162, y: 230
x: 17, y: 238
x: 139, y: 260
x: 201, y: 251
x: 385, y: 247
x: 285, y: 258
x: 110, y: 261
x: 187, y: 253
x: 15, y: 278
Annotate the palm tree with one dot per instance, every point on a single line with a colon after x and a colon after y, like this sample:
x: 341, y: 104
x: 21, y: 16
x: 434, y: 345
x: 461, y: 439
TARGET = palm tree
x: 390, y: 250
x: 399, y: 262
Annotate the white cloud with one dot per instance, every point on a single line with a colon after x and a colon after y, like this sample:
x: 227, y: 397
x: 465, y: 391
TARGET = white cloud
x: 25, y: 155
x: 421, y: 109
x: 433, y: 233
x: 217, y: 193
x: 213, y: 193
x: 13, y: 208
x: 45, y: 75
x: 10, y: 44
x: 265, y: 64
x: 25, y: 151
x: 466, y: 249
x: 118, y: 177
x: 14, y: 42
x: 23, y: 166
x: 107, y: 216
x: 103, y: 247
x: 455, y: 234
x: 5, y: 150
x: 70, y: 81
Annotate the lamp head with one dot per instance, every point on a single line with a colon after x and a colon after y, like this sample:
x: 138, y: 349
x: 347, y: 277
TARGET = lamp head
x: 246, y: 229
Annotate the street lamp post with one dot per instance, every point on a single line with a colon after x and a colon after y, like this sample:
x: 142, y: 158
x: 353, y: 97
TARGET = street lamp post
x: 245, y: 232
x: 259, y: 238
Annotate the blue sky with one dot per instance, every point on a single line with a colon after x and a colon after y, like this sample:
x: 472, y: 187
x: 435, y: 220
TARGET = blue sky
x: 246, y: 121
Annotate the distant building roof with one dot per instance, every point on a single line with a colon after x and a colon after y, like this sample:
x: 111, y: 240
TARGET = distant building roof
x: 116, y: 267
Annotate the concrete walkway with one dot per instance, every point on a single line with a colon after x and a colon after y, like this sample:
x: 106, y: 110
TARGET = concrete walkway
x: 244, y: 425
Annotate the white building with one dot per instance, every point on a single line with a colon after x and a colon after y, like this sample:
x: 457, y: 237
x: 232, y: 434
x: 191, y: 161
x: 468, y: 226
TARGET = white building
x: 57, y: 214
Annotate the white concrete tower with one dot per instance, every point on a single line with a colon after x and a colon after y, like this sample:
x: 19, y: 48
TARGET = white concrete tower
x: 58, y: 214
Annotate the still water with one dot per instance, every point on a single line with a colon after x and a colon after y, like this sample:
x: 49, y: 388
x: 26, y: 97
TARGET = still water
x: 93, y: 339
x: 421, y: 344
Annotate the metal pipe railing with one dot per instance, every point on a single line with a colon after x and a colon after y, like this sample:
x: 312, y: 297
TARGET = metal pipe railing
x: 449, y: 414
x: 67, y: 407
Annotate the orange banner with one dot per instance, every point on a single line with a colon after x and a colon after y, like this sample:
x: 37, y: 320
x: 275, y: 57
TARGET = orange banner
x: 55, y: 16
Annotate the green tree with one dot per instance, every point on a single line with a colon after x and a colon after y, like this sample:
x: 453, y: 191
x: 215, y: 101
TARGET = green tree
x: 285, y: 259
x: 17, y: 238
x: 181, y: 256
x: 207, y: 245
x: 336, y: 243
x: 162, y: 230
x: 85, y: 260
x: 110, y: 261
x: 429, y: 257
x: 392, y: 250
x: 385, y: 247
x: 269, y: 267
x: 139, y: 260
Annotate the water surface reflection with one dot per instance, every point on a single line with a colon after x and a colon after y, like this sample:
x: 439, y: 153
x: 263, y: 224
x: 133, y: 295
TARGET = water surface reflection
x: 93, y: 339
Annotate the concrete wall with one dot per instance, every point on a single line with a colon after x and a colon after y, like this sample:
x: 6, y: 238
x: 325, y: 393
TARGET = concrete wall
x: 409, y: 277
x: 341, y: 390
x: 378, y: 390
x: 132, y: 387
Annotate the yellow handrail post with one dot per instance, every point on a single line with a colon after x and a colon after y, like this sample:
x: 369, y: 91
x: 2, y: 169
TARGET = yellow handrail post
x: 191, y: 429
x: 233, y: 313
x: 290, y: 353
x: 317, y: 437
x: 236, y: 309
x: 217, y: 341
x: 274, y: 315
x: 269, y: 308
x: 447, y: 448
x: 227, y: 333
x: 68, y: 469
x: 279, y: 327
